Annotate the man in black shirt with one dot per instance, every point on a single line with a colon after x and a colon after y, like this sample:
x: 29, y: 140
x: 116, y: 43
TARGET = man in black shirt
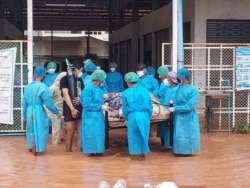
x: 72, y: 109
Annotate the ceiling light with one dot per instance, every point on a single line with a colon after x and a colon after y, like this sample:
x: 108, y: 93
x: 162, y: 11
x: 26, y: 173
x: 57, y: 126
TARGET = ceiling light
x: 65, y: 5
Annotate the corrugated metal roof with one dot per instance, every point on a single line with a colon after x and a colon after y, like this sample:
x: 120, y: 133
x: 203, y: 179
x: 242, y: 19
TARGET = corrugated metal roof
x: 77, y: 15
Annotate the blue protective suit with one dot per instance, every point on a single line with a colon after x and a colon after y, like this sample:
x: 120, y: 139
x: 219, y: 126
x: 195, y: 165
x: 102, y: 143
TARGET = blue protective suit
x: 162, y: 94
x: 150, y: 83
x: 162, y: 99
x: 49, y: 79
x: 37, y: 94
x: 137, y: 109
x: 84, y: 74
x: 166, y: 94
x: 93, y: 124
x: 87, y: 80
x: 104, y: 87
x: 186, y: 121
x: 114, y: 82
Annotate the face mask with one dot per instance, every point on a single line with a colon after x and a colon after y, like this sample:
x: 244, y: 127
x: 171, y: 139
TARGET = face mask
x: 165, y: 81
x: 181, y: 81
x: 140, y: 73
x: 51, y: 71
x: 112, y: 69
x: 79, y: 75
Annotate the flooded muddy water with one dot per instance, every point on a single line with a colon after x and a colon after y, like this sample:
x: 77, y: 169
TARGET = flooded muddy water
x: 224, y: 162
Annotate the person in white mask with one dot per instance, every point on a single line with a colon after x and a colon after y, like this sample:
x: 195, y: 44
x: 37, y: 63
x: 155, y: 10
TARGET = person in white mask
x: 151, y: 71
x: 93, y: 124
x: 51, y: 73
x: 114, y: 79
x: 163, y: 74
x: 147, y: 81
x: 36, y: 96
x: 166, y: 94
x: 57, y: 124
x: 72, y: 109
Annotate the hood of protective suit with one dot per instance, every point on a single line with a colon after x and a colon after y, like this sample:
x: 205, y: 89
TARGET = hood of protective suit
x: 58, y: 78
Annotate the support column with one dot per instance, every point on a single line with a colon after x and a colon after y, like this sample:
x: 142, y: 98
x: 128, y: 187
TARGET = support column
x: 136, y: 50
x: 141, y: 49
x: 155, y: 4
x: 154, y: 53
x: 180, y: 53
x: 2, y: 17
x: 125, y: 62
x: 174, y: 34
x: 87, y: 44
x: 111, y: 7
x: 30, y: 39
x: 136, y: 46
x: 121, y: 18
x: 51, y: 44
x: 2, y: 5
x: 135, y: 10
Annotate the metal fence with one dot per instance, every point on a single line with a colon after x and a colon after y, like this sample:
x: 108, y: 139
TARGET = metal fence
x: 209, y: 63
x: 20, y: 79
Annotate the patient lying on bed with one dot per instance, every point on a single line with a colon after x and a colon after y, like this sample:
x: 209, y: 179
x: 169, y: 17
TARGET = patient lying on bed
x: 160, y: 113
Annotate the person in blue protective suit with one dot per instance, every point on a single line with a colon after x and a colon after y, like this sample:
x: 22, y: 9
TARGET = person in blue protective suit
x: 147, y: 81
x: 89, y: 68
x: 114, y: 79
x: 51, y: 73
x: 151, y: 71
x: 85, y: 62
x: 93, y: 124
x: 164, y: 131
x: 186, y: 121
x: 163, y: 73
x: 36, y: 96
x: 137, y: 110
x: 104, y: 85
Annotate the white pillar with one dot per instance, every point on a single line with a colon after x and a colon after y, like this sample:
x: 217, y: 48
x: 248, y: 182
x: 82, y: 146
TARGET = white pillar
x: 174, y: 34
x: 180, y: 49
x: 30, y: 39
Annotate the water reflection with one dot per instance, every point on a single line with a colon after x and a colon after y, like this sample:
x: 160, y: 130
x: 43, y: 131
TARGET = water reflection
x: 223, y: 162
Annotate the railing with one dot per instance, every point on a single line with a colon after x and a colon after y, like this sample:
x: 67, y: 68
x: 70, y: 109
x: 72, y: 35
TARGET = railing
x: 209, y: 63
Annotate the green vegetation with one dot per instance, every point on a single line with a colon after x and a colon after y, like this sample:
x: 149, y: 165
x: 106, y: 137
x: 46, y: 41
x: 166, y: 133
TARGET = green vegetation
x: 242, y: 128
